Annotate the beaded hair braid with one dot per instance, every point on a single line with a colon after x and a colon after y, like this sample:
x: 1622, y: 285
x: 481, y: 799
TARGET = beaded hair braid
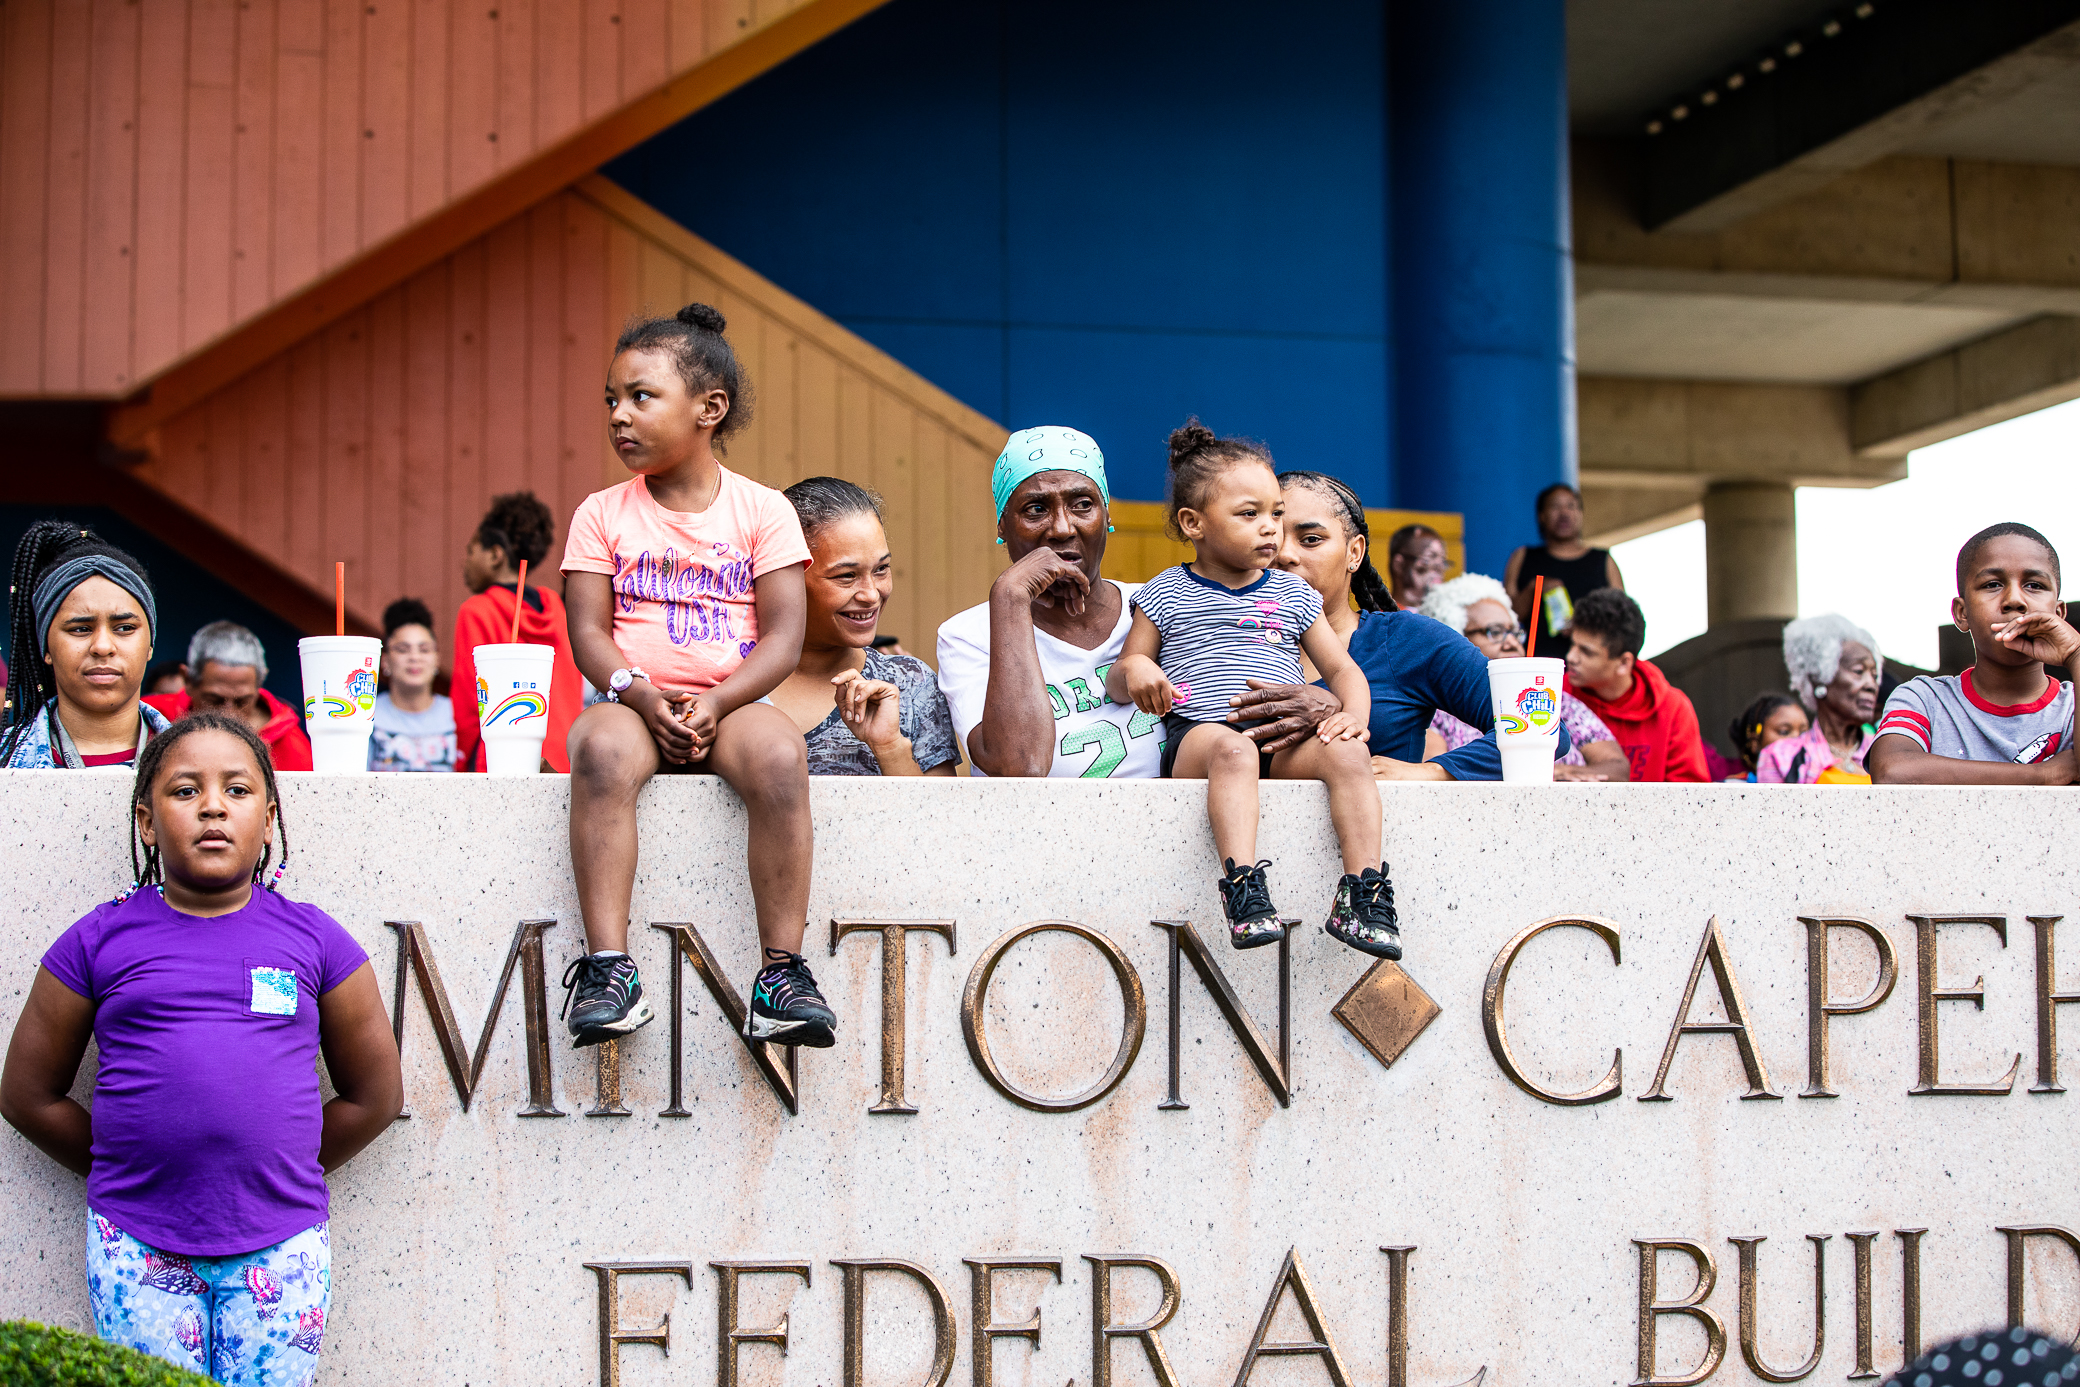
x: 144, y: 859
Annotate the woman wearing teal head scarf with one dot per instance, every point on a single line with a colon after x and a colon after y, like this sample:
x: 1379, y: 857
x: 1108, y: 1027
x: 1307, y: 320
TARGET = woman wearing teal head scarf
x: 1024, y: 673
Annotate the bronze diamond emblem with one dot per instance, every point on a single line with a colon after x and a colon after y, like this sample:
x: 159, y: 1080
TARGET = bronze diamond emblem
x: 1386, y: 1010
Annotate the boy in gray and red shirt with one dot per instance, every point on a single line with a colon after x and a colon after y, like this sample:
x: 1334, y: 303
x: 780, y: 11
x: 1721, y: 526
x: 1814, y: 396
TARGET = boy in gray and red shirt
x: 2003, y: 721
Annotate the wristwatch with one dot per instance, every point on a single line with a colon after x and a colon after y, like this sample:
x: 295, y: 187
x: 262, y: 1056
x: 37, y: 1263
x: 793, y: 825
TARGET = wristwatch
x: 620, y: 679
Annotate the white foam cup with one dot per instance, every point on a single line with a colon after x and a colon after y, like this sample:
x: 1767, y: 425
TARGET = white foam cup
x: 513, y: 705
x: 339, y: 700
x: 1527, y: 716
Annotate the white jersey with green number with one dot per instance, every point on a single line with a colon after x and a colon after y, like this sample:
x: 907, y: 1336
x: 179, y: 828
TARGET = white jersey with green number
x: 1093, y: 737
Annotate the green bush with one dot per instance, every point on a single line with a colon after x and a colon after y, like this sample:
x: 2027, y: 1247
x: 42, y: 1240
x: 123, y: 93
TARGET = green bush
x: 36, y: 1355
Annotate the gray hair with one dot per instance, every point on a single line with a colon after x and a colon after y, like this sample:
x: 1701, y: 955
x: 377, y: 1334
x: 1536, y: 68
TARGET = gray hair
x: 227, y: 643
x: 1813, y: 653
x: 1449, y: 601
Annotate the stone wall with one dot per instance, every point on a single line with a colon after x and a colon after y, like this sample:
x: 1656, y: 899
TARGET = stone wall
x: 463, y: 1238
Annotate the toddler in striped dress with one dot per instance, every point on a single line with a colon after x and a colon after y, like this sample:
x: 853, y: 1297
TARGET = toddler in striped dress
x: 1201, y: 632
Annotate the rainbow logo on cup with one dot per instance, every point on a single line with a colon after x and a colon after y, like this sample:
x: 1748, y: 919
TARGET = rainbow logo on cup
x: 335, y: 707
x: 522, y: 704
x: 361, y: 688
x: 483, y: 697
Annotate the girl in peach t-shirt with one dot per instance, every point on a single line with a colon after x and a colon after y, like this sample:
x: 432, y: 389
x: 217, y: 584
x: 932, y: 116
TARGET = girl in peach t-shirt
x: 684, y: 587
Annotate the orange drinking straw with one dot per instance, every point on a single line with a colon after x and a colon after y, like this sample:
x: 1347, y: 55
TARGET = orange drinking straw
x: 339, y: 598
x: 519, y: 593
x: 1538, y: 598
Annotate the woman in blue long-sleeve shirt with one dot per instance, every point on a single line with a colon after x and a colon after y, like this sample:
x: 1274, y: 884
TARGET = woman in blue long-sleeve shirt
x: 1415, y: 665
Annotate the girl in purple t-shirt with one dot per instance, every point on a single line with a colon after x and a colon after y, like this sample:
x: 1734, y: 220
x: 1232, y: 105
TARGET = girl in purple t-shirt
x: 210, y: 999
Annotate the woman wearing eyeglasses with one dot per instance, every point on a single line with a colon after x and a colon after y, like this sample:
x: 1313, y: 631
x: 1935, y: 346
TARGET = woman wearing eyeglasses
x: 1478, y: 607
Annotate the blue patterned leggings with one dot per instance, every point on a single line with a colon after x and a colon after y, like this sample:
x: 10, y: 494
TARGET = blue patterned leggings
x: 256, y: 1319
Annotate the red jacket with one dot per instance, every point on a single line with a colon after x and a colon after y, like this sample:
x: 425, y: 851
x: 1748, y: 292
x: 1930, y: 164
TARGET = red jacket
x: 1656, y: 725
x: 289, y: 748
x: 487, y: 619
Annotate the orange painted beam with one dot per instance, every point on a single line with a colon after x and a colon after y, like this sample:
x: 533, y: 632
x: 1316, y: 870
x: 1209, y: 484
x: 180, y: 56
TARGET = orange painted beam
x: 384, y: 266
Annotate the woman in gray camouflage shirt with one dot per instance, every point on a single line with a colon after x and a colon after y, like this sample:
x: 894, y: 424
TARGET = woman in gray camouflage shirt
x: 862, y: 712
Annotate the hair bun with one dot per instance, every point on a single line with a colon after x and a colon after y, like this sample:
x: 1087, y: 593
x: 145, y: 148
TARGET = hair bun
x: 701, y: 316
x: 1191, y: 438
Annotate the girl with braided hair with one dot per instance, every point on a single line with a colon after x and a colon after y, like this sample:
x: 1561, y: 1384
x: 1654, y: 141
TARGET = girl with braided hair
x: 210, y: 997
x: 1415, y: 666
x: 80, y: 625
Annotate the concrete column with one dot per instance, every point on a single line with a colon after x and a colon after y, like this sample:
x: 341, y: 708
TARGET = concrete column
x: 1750, y: 551
x: 1482, y: 329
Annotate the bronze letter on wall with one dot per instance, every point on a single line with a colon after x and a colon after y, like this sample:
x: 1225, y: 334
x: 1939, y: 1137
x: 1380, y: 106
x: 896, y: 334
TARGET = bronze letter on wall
x: 854, y: 1270
x: 2018, y: 1248
x: 1862, y: 1243
x: 1820, y: 1006
x: 983, y: 1329
x: 1321, y: 1346
x: 1652, y: 1307
x: 1749, y: 1351
x: 2049, y: 1000
x: 1397, y: 1321
x: 1497, y: 1027
x: 1104, y: 1331
x: 728, y: 1336
x: 1928, y: 994
x: 1712, y: 949
x: 781, y: 1076
x: 977, y: 994
x: 415, y: 954
x: 895, y: 1007
x: 1277, y: 1073
x: 611, y: 1335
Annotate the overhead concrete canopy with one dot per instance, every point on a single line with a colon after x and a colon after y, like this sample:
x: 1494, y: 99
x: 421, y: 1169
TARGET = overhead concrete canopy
x: 1879, y: 201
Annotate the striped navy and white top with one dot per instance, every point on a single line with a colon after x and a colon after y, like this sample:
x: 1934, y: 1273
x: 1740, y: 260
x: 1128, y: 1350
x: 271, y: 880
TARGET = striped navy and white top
x: 1216, y: 639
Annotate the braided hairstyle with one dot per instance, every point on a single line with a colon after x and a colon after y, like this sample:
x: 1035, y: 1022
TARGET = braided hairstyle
x: 1198, y: 457
x: 1368, y: 589
x: 519, y: 524
x: 144, y: 860
x: 31, y: 684
x: 693, y: 339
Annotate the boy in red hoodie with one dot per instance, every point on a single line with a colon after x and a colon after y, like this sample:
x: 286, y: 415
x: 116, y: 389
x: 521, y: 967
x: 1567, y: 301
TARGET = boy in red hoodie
x: 518, y: 526
x: 1652, y: 719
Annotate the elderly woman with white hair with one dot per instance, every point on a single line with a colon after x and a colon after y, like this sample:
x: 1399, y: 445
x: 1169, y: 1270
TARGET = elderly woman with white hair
x: 1835, y: 666
x: 1478, y: 607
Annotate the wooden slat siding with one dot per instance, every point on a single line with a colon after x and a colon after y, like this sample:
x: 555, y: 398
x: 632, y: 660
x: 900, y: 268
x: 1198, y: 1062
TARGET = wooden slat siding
x: 111, y: 204
x: 253, y: 163
x: 296, y: 220
x: 382, y: 440
x: 223, y: 142
x: 208, y: 225
x: 66, y: 206
x: 303, y: 529
x: 386, y: 120
x: 432, y: 66
x: 25, y: 41
x: 342, y: 138
x: 562, y: 156
x: 472, y: 95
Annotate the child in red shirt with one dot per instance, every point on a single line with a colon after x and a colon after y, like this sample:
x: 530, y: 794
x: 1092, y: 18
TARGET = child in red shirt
x: 517, y: 527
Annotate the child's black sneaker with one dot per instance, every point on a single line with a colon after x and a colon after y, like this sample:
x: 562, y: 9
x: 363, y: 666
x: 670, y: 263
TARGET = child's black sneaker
x: 1363, y: 914
x: 786, y: 1008
x: 1252, y: 919
x: 603, y: 999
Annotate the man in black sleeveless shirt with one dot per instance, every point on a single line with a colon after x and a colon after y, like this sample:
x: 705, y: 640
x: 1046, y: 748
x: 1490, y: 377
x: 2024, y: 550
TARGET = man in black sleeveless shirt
x: 1572, y: 569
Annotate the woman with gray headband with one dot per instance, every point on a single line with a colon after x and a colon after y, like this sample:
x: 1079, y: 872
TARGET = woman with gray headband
x: 80, y: 625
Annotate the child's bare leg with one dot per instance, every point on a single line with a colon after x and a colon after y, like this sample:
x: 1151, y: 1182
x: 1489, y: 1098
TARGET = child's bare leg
x: 1227, y: 761
x: 1346, y: 768
x: 612, y: 757
x: 758, y: 751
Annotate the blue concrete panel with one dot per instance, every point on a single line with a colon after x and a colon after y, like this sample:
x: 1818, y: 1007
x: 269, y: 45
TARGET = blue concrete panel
x: 1305, y: 398
x: 1102, y: 215
x: 1482, y: 303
